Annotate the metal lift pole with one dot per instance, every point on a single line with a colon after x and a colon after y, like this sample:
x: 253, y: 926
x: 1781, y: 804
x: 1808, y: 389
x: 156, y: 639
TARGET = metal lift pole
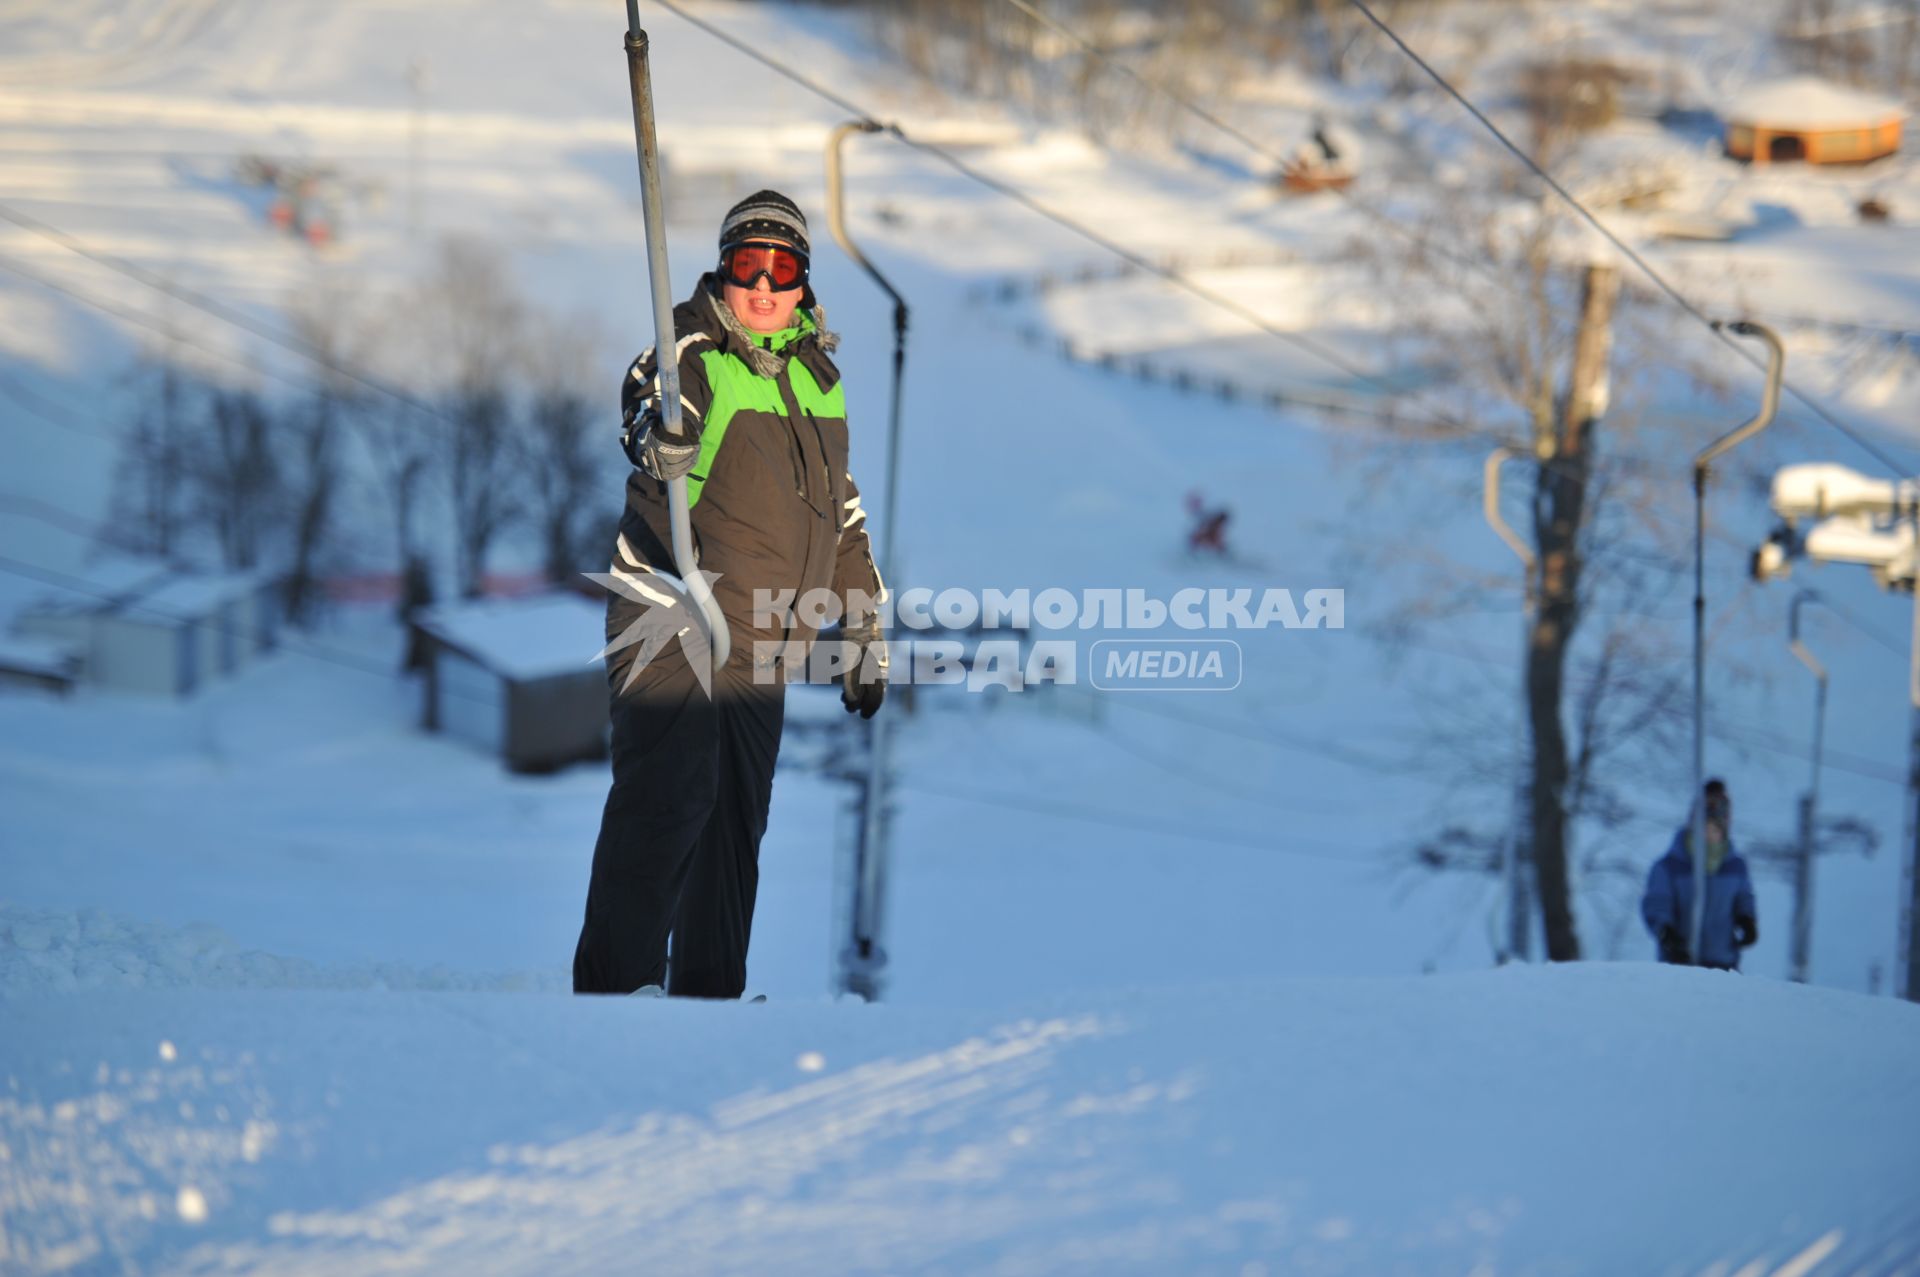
x: 640, y: 79
x: 1770, y: 404
x: 863, y: 960
x: 1802, y: 945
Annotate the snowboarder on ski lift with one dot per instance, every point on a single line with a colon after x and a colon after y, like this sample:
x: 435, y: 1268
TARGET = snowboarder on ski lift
x: 774, y: 509
x: 1731, y: 921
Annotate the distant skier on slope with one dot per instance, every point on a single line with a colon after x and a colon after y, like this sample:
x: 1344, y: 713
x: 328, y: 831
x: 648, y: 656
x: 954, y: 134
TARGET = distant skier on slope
x: 774, y: 509
x: 1329, y: 153
x: 1208, y: 532
x: 1731, y: 922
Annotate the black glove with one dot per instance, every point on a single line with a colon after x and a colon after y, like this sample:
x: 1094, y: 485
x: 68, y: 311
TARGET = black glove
x: 1673, y: 947
x: 651, y: 449
x: 1746, y: 931
x: 863, y: 683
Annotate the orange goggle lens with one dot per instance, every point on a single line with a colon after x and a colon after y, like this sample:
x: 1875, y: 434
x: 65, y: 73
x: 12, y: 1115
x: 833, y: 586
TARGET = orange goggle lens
x: 744, y: 264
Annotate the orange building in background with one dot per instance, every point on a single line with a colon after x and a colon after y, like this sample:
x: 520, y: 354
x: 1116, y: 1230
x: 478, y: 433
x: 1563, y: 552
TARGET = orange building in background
x: 1812, y: 120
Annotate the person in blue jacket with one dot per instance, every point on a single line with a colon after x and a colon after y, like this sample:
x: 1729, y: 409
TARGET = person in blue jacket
x: 1731, y: 922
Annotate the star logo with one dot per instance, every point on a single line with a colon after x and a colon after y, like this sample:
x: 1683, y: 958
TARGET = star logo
x: 667, y: 612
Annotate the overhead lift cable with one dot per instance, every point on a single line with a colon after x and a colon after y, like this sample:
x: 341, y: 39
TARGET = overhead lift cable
x: 226, y: 314
x: 1139, y: 261
x: 1626, y: 250
x: 151, y: 323
x: 1639, y: 260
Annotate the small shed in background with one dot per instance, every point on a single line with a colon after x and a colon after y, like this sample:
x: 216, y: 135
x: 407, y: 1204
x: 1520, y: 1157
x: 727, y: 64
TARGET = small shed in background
x: 518, y: 678
x: 148, y: 628
x: 1814, y: 120
x: 46, y: 664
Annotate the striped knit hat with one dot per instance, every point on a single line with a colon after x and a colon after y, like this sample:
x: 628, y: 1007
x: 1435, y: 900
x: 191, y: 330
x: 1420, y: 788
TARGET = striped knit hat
x: 765, y: 214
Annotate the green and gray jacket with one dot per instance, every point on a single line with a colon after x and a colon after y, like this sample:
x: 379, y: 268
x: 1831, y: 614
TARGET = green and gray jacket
x: 774, y: 506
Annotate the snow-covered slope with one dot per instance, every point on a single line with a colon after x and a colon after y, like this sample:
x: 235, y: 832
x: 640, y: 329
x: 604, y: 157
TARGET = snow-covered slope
x: 351, y: 938
x: 1083, y: 471
x: 1601, y: 1120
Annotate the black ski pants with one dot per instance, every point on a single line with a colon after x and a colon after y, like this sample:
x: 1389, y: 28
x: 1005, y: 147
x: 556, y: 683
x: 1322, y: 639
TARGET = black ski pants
x: 679, y: 848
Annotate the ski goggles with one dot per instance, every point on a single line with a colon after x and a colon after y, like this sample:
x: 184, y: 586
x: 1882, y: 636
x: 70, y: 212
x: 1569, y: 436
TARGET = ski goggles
x: 743, y: 265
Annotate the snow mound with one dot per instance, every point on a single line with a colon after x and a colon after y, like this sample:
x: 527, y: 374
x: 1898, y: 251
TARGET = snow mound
x: 57, y: 952
x: 1597, y: 1119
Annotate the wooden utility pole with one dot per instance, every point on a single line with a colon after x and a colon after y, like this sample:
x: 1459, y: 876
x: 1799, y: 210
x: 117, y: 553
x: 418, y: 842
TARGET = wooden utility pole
x: 1564, y: 446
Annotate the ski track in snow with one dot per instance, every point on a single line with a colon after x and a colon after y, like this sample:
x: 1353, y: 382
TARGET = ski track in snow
x: 1488, y: 1123
x: 650, y: 1197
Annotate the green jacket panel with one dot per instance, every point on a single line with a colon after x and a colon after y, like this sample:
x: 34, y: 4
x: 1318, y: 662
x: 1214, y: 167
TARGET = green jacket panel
x: 774, y: 506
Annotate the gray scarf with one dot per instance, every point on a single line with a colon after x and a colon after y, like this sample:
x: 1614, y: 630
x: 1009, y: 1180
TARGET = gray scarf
x: 765, y: 362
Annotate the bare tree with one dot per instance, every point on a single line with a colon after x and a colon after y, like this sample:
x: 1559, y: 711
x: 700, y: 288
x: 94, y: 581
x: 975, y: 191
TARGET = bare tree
x: 1330, y: 28
x: 1526, y: 328
x: 1202, y: 48
x: 480, y: 478
x: 152, y: 469
x: 1564, y: 431
x: 1871, y: 43
x: 568, y: 446
x: 1905, y: 47
x: 469, y: 319
x: 323, y: 317
x: 403, y: 446
x: 402, y: 438
x: 236, y: 477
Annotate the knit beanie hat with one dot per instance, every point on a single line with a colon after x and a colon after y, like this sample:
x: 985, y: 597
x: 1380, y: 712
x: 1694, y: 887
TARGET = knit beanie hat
x: 765, y: 215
